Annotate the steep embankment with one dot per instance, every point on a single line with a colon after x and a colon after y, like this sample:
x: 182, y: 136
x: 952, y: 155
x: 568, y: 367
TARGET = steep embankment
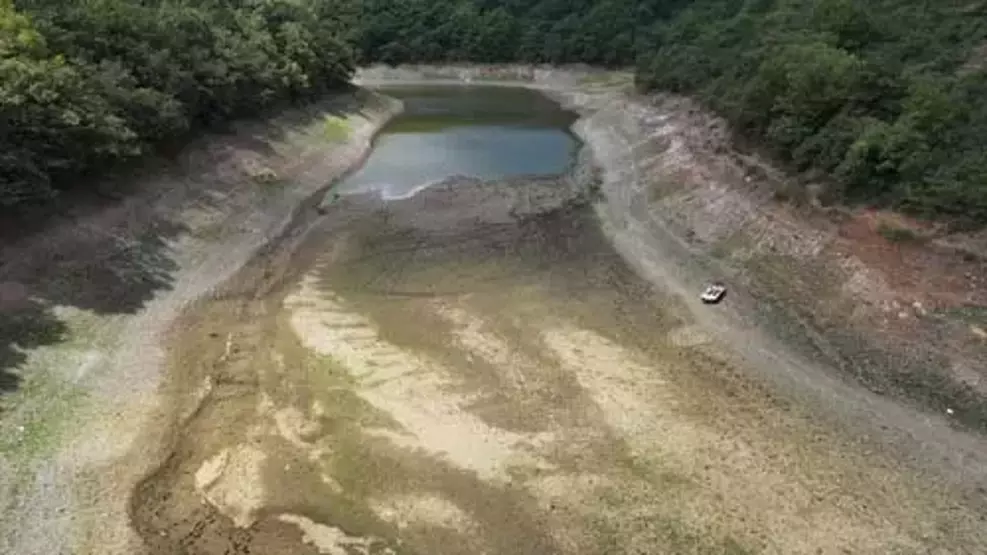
x: 100, y: 289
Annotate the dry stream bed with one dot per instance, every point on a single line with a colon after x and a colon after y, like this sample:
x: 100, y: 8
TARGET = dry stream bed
x: 474, y: 369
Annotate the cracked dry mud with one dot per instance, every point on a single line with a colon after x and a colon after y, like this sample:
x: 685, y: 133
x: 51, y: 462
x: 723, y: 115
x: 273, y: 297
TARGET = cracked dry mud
x: 453, y: 374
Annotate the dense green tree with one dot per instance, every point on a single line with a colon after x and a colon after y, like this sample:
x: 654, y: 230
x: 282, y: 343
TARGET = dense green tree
x: 87, y: 83
x: 883, y: 95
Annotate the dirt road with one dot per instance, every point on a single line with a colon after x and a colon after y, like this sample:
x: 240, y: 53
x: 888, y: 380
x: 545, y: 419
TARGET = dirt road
x: 475, y: 370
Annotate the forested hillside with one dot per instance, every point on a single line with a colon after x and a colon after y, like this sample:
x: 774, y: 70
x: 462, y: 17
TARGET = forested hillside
x: 882, y: 98
x: 598, y: 32
x: 886, y: 96
x: 87, y: 83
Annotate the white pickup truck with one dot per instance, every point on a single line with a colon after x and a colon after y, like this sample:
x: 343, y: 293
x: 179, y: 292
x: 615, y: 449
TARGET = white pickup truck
x: 713, y: 293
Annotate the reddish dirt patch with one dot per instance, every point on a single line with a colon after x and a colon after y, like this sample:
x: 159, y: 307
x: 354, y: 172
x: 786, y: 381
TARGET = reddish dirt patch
x: 915, y: 271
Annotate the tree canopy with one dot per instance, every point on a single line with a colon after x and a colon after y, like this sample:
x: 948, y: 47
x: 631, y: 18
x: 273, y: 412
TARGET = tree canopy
x: 88, y: 83
x: 882, y: 95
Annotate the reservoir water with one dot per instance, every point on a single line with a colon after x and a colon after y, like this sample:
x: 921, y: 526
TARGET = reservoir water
x: 477, y: 131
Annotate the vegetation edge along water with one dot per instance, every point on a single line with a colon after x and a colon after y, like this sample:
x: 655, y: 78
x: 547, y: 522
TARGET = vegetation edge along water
x: 880, y: 99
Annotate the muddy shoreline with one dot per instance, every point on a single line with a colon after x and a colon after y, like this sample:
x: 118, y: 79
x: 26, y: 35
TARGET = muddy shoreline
x: 236, y: 363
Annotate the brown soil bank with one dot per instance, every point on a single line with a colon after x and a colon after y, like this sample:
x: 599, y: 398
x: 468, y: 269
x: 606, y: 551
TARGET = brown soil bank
x: 86, y: 300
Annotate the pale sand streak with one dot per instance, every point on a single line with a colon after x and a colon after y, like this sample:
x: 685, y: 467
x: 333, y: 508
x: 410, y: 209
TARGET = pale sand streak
x: 330, y: 540
x: 409, y: 387
x: 637, y: 402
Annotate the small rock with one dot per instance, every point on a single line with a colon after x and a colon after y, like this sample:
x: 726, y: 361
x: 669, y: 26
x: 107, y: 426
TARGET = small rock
x: 950, y: 411
x: 20, y: 429
x: 902, y: 315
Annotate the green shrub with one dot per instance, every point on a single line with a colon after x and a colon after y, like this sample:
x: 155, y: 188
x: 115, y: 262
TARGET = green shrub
x: 896, y: 233
x: 336, y: 129
x: 85, y: 84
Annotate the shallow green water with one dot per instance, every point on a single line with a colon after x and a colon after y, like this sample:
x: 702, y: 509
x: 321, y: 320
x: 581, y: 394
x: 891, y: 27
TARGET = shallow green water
x: 482, y: 131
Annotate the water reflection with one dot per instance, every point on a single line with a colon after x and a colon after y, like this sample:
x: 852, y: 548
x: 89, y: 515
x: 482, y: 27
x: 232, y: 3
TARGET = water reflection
x: 484, y: 132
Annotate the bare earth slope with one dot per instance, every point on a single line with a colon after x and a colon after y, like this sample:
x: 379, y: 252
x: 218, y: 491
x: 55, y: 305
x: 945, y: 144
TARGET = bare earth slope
x: 86, y: 302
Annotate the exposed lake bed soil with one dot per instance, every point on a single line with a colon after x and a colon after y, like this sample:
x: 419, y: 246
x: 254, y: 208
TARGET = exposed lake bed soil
x: 515, y: 365
x: 545, y: 400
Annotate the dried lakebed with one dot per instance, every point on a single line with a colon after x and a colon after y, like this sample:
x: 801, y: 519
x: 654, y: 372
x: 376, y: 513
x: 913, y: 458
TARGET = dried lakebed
x: 474, y: 369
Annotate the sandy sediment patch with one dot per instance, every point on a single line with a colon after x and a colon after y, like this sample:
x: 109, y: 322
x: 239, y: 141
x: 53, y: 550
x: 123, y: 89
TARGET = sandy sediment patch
x: 424, y: 510
x: 294, y: 426
x: 775, y: 499
x: 408, y: 386
x: 330, y: 540
x: 689, y: 336
x: 232, y: 482
x: 468, y: 331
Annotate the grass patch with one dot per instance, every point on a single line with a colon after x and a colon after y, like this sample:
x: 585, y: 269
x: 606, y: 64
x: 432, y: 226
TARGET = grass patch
x: 970, y: 314
x: 608, y: 78
x: 38, y: 436
x: 896, y: 233
x: 336, y: 129
x: 35, y: 418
